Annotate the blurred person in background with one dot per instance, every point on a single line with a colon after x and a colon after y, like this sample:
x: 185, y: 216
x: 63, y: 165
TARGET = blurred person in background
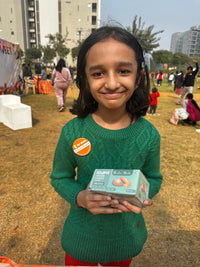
x: 189, y: 80
x: 61, y: 79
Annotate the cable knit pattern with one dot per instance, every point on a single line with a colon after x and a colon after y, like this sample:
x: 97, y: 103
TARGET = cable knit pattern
x: 105, y: 237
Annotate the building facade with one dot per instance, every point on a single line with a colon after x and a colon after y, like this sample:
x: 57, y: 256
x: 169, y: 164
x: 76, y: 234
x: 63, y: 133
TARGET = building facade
x: 187, y: 42
x: 11, y: 22
x: 79, y: 19
x: 28, y: 22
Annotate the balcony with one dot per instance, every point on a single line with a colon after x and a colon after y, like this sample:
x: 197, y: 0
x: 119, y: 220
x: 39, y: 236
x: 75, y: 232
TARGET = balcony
x: 32, y: 30
x: 31, y: 19
x: 31, y: 8
x: 32, y: 41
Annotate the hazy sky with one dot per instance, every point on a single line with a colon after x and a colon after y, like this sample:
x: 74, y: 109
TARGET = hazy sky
x: 171, y: 15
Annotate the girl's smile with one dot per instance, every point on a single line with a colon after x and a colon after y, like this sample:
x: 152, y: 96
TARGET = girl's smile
x: 113, y: 95
x: 111, y: 70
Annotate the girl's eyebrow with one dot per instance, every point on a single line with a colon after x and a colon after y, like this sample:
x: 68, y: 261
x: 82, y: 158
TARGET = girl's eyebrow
x: 125, y: 63
x: 95, y: 67
x: 121, y: 64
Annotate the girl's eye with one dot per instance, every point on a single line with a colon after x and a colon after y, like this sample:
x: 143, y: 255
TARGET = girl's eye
x: 123, y: 72
x: 97, y: 74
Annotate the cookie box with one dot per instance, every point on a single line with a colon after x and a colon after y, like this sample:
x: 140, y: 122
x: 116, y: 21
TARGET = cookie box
x: 130, y: 185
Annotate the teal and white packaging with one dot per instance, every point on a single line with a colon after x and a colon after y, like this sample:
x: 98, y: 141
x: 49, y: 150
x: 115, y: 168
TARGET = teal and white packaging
x: 121, y: 184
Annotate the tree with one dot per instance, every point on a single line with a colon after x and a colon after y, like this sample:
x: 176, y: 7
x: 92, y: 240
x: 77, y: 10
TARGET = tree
x: 49, y: 54
x: 162, y: 56
x: 75, y: 51
x: 21, y: 53
x: 31, y: 54
x: 145, y: 37
x: 181, y: 59
x: 178, y: 61
x: 57, y: 42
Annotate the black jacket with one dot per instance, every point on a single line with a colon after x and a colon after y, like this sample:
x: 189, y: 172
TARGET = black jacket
x: 189, y: 78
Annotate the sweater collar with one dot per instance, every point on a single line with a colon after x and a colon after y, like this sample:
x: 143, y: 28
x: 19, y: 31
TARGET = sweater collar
x: 98, y: 130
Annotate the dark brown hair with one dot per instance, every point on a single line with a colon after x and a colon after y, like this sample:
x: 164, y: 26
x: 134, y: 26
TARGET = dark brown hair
x: 139, y: 101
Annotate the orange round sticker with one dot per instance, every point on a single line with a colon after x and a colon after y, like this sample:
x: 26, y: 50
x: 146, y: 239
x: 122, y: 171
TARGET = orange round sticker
x: 82, y: 146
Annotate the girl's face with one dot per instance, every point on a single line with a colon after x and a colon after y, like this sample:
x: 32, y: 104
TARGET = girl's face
x: 111, y: 69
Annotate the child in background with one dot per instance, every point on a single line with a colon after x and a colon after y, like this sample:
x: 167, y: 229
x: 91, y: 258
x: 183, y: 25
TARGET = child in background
x: 153, y: 100
x: 48, y: 73
x: 114, y: 95
x: 43, y: 74
x: 159, y: 78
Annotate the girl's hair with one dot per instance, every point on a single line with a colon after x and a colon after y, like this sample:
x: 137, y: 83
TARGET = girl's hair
x: 139, y: 101
x: 190, y: 96
x: 154, y: 90
x: 60, y: 65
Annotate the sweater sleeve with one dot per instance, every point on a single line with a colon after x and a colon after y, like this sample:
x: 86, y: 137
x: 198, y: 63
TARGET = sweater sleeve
x: 197, y: 69
x: 63, y: 173
x: 151, y: 168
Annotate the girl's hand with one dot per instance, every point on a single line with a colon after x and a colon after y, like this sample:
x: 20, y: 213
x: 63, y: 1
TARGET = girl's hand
x: 96, y: 203
x: 127, y: 207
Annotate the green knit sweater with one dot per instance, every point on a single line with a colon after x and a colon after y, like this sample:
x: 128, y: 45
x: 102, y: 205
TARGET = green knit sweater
x: 104, y: 237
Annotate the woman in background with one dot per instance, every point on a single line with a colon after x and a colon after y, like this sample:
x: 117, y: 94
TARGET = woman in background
x: 61, y: 79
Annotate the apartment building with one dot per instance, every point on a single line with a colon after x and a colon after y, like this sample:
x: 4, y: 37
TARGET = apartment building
x: 187, y: 42
x: 78, y: 19
x: 28, y: 22
x: 11, y: 22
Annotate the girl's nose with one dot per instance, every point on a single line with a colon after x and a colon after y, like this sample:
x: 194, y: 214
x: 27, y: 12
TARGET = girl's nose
x: 112, y: 82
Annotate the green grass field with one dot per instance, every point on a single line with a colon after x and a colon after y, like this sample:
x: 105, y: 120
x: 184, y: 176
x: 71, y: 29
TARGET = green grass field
x: 32, y: 214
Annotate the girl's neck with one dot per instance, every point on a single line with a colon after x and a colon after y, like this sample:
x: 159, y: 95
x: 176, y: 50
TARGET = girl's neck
x: 112, y: 120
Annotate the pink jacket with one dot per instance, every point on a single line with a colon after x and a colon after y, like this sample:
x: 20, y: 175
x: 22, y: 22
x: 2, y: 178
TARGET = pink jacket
x: 193, y: 111
x: 61, y: 80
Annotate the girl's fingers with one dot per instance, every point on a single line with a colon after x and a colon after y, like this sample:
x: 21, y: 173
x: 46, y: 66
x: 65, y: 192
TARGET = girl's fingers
x: 131, y: 207
x: 120, y: 207
x: 104, y: 210
x: 98, y: 197
x: 98, y: 204
x: 148, y: 202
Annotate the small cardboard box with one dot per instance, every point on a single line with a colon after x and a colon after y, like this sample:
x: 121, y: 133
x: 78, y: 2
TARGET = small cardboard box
x: 130, y: 185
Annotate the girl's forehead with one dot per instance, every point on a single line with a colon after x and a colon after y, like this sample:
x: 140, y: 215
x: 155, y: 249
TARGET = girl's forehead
x: 110, y: 40
x: 109, y: 46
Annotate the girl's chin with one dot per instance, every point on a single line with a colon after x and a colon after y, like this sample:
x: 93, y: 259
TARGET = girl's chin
x: 113, y: 106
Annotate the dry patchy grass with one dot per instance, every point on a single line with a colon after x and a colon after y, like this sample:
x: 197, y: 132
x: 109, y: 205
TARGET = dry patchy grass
x: 32, y: 214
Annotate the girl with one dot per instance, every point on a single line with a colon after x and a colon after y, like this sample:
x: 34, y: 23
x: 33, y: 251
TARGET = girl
x: 61, y: 79
x: 153, y: 100
x: 108, y: 133
x: 160, y: 78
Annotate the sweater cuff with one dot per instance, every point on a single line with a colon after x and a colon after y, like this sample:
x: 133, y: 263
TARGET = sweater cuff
x: 68, y: 191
